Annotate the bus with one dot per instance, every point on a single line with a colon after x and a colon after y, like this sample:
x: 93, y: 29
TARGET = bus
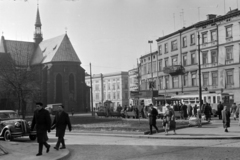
x: 208, y: 97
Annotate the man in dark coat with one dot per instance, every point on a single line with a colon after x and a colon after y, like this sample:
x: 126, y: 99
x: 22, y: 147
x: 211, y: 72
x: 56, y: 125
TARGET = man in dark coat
x: 220, y: 108
x: 184, y: 110
x: 42, y: 120
x: 152, y: 114
x: 60, y: 122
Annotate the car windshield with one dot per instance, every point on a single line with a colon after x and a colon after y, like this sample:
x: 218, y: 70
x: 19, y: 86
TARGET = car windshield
x: 8, y: 115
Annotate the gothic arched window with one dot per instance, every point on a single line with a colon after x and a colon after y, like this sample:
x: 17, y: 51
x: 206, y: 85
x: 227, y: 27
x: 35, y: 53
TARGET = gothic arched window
x: 71, y: 86
x: 59, y: 97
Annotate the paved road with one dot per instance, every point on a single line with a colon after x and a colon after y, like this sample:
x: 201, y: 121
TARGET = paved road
x: 118, y: 148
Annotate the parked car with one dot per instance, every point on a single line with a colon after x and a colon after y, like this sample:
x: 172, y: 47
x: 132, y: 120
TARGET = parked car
x: 12, y: 126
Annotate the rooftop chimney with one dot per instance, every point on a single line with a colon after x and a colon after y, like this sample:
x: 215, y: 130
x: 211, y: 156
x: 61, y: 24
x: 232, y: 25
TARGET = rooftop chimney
x: 211, y: 16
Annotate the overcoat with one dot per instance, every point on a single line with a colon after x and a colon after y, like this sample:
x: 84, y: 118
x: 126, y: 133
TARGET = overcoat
x: 42, y: 120
x: 60, y: 122
x: 226, y: 118
x: 152, y: 116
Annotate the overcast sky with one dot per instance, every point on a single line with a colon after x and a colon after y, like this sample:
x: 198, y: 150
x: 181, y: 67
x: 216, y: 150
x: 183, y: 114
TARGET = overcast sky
x: 110, y: 34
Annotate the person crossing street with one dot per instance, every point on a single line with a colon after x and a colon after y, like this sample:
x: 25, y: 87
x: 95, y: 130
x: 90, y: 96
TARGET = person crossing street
x: 60, y: 122
x: 42, y: 120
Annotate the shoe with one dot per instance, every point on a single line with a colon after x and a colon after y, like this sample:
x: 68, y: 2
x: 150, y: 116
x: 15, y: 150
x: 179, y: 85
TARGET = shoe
x: 226, y: 130
x: 39, y: 154
x: 56, y: 148
x: 62, y: 148
x: 48, y: 148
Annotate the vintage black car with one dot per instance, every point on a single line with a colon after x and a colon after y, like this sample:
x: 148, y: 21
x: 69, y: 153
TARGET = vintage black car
x: 12, y: 126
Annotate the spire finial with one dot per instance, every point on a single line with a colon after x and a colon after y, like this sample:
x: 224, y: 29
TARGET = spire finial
x: 66, y: 30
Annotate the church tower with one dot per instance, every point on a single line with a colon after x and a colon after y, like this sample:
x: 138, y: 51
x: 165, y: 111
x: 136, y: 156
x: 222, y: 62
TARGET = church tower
x: 38, y: 33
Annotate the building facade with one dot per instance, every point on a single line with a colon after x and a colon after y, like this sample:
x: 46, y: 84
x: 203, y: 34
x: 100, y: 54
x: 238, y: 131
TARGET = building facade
x: 109, y: 87
x: 217, y: 38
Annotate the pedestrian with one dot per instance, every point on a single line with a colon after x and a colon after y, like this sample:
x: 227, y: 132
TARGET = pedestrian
x: 237, y: 111
x: 189, y: 110
x: 195, y: 110
x: 61, y: 121
x: 207, y: 112
x: 152, y: 115
x: 42, y: 120
x: 184, y: 109
x: 233, y: 110
x: 199, y: 116
x: 220, y: 108
x: 226, y: 118
x: 169, y: 120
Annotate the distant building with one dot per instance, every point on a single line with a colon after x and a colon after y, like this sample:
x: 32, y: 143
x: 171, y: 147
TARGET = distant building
x: 175, y: 65
x: 133, y: 82
x: 60, y: 75
x: 109, y: 87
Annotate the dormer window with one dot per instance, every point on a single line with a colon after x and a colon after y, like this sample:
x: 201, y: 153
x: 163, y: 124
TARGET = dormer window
x: 55, y: 47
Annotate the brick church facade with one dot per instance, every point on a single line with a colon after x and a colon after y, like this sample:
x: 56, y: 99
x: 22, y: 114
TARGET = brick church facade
x: 59, y: 72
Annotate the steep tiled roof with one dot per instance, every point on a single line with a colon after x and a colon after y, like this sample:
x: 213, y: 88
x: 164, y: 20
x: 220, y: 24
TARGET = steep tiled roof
x: 21, y: 52
x: 58, y: 49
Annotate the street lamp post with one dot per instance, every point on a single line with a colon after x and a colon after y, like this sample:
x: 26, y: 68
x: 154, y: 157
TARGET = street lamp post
x: 199, y: 73
x: 151, y: 83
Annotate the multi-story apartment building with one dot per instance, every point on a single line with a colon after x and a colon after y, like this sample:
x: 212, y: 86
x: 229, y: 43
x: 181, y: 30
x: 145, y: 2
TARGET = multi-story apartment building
x: 148, y: 70
x: 133, y: 83
x: 112, y: 87
x: 218, y: 39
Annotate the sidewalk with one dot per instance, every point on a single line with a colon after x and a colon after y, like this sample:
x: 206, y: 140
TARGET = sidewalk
x: 28, y: 151
x: 212, y: 130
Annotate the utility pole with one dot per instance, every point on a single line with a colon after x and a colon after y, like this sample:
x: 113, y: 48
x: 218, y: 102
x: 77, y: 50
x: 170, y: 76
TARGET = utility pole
x: 199, y: 73
x: 91, y: 89
x: 151, y: 83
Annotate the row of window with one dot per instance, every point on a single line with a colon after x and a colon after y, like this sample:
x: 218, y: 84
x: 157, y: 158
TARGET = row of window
x: 174, y: 45
x: 114, y: 95
x: 193, y: 80
x: 146, y: 68
x: 213, y: 34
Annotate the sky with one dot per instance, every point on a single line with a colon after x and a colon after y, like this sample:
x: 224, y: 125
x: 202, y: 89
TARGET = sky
x: 110, y: 34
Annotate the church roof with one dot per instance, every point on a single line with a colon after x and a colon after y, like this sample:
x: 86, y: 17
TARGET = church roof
x: 58, y: 49
x: 21, y: 52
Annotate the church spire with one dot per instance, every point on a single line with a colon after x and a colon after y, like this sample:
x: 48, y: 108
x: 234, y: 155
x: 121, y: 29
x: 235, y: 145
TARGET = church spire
x: 38, y: 33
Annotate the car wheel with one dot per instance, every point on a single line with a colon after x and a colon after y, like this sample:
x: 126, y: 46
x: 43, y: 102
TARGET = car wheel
x: 7, y: 136
x: 32, y: 137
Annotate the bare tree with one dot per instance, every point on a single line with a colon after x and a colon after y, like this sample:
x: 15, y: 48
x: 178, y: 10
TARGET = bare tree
x: 16, y: 75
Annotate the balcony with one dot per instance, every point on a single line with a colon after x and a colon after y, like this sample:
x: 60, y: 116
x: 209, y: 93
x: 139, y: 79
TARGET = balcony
x: 229, y: 61
x: 174, y: 70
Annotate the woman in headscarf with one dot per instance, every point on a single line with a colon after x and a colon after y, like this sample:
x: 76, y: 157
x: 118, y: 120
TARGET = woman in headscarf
x: 226, y: 118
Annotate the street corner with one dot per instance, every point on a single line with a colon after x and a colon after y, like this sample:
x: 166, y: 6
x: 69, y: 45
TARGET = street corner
x: 3, y: 151
x: 28, y: 151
